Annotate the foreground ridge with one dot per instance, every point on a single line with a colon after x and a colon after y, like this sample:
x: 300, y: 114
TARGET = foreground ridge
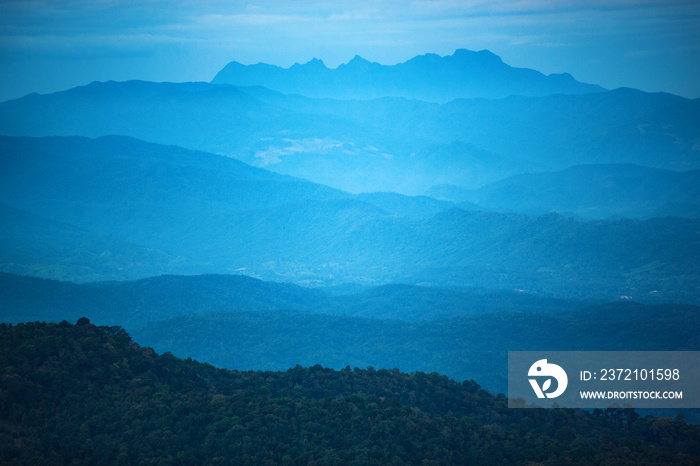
x: 86, y: 395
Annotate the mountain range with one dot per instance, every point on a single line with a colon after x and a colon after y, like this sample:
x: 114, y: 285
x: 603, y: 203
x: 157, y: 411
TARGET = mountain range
x: 242, y: 323
x: 194, y: 212
x: 425, y: 217
x: 136, y: 303
x: 388, y: 144
x: 587, y: 192
x: 429, y: 77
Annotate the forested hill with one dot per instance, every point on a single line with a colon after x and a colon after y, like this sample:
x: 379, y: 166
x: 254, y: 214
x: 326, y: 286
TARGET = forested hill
x: 83, y: 394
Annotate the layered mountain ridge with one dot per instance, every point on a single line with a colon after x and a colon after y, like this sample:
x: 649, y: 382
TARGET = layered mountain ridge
x: 277, y: 217
x: 119, y: 208
x: 387, y: 144
x: 588, y: 192
x: 152, y: 208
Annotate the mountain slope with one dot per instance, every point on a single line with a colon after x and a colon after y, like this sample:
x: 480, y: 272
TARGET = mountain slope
x: 217, y: 215
x: 155, y: 196
x: 458, y: 332
x: 594, y: 191
x: 388, y: 144
x: 139, y: 302
x: 32, y: 245
x: 473, y: 346
x: 81, y: 394
x: 465, y: 74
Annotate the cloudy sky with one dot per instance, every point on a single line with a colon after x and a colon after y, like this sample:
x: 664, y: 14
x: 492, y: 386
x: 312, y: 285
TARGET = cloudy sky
x: 47, y: 46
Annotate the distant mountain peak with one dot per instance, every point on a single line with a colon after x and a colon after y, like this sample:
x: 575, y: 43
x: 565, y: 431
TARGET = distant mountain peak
x: 358, y: 60
x: 430, y: 77
x: 484, y: 54
x: 358, y: 64
x: 316, y: 63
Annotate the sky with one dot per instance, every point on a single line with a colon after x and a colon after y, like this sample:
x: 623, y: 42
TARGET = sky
x: 47, y: 46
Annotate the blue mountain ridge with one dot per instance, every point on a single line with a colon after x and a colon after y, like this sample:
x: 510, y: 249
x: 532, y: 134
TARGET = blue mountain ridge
x: 205, y: 213
x: 387, y: 144
x: 430, y: 77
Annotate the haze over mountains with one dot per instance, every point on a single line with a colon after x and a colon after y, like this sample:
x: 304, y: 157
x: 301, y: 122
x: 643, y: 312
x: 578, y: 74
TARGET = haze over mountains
x: 445, y: 210
x: 385, y: 144
x: 198, y: 212
x: 458, y: 332
x: 136, y: 303
x: 154, y: 209
x: 588, y: 192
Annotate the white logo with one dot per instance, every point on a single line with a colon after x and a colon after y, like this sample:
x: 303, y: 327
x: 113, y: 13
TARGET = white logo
x: 543, y: 369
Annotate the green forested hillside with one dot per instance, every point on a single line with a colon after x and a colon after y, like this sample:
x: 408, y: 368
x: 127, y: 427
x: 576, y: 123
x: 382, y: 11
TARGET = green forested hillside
x: 82, y: 394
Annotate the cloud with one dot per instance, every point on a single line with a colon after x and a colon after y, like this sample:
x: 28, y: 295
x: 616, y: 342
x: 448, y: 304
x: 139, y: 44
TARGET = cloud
x: 247, y: 19
x: 592, y: 38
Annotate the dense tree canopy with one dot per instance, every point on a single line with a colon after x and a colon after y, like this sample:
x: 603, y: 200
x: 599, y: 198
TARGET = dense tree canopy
x: 89, y: 395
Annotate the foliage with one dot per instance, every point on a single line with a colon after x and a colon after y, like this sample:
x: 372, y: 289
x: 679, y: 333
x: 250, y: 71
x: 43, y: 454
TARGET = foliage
x: 82, y: 394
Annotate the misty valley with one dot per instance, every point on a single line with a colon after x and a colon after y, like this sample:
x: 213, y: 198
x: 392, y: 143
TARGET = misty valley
x: 315, y: 265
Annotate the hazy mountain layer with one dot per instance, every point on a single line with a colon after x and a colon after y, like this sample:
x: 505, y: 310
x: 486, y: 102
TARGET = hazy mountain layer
x: 35, y: 246
x: 458, y: 332
x: 209, y: 213
x: 466, y: 347
x: 387, y: 144
x: 589, y: 191
x: 465, y: 74
x: 137, y: 303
